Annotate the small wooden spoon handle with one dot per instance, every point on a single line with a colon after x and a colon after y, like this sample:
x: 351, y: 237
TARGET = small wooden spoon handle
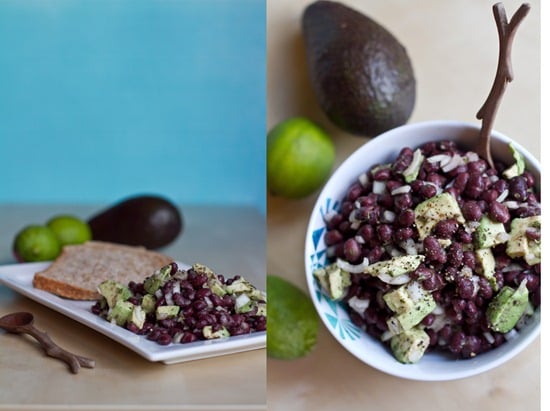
x: 53, y: 350
x: 504, y: 75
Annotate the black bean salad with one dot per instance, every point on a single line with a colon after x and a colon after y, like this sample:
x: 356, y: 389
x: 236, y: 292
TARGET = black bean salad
x: 437, y: 251
x: 182, y: 306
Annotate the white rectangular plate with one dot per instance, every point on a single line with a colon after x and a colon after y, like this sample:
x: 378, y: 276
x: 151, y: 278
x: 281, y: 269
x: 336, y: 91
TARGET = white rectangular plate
x: 19, y: 278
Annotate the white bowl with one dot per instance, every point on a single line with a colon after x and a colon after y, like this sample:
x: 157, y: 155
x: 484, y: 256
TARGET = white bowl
x: 384, y: 148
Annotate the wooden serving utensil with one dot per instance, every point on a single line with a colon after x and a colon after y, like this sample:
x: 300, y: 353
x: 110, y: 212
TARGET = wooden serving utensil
x: 504, y: 75
x: 22, y: 323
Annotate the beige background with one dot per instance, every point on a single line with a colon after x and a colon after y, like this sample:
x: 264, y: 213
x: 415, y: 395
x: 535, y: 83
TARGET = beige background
x: 453, y: 46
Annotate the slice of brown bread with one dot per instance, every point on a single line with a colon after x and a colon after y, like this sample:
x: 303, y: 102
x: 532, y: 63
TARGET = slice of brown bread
x: 79, y: 270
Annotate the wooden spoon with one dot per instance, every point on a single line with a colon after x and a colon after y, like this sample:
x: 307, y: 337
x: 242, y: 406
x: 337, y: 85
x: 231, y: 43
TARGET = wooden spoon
x: 504, y: 75
x: 22, y: 323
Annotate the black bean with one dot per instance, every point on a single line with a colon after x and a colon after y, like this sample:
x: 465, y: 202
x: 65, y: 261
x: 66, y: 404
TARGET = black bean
x: 475, y: 185
x: 403, y: 202
x: 499, y: 212
x: 384, y: 232
x: 472, y: 211
x: 405, y: 218
x: 352, y: 250
x: 518, y: 188
x: 333, y: 237
x: 446, y: 228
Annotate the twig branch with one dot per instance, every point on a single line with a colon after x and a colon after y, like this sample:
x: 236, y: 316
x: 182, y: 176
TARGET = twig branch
x: 504, y: 75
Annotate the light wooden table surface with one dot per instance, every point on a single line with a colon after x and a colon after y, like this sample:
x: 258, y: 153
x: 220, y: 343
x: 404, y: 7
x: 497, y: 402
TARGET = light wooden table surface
x: 229, y: 240
x: 453, y: 47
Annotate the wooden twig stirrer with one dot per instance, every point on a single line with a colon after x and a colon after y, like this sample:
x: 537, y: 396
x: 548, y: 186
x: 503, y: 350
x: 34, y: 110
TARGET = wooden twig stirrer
x: 504, y: 75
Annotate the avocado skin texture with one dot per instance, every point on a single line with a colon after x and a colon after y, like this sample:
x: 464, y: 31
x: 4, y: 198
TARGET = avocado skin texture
x: 361, y: 75
x: 145, y: 220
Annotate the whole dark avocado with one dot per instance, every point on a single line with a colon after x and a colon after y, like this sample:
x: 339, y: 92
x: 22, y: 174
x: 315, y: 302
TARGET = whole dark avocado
x: 143, y: 220
x: 361, y: 75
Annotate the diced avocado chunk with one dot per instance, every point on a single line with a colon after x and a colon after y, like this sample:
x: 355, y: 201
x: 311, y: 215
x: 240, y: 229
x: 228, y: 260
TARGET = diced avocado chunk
x: 411, y: 303
x: 216, y: 286
x: 138, y: 316
x: 213, y: 281
x: 167, y: 311
x: 395, y: 266
x: 487, y: 264
x: 507, y: 307
x: 121, y: 312
x: 262, y: 309
x: 333, y: 280
x: 407, y: 297
x: 114, y: 292
x: 518, y: 167
x: 240, y: 285
x: 157, y: 279
x: 409, y: 346
x: 433, y: 210
x: 489, y: 233
x: 519, y: 245
x: 148, y: 303
x: 398, y: 300
x: 243, y: 303
x: 201, y: 268
x: 209, y: 334
x: 411, y: 172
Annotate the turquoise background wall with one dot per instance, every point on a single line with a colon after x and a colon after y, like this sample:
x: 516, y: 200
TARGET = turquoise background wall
x: 108, y: 98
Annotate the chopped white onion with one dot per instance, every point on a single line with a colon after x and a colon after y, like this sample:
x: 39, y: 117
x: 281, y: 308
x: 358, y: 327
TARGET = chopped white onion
x: 415, y: 291
x: 438, y: 158
x: 439, y: 322
x: 363, y: 179
x: 401, y: 190
x: 512, y: 267
x: 352, y: 268
x: 489, y: 337
x: 386, y: 335
x: 358, y: 305
x: 378, y: 187
x: 359, y: 239
x: 169, y: 299
x: 329, y: 215
x: 177, y: 337
x: 510, y: 335
x: 503, y: 237
x: 398, y: 280
x: 409, y: 246
x: 511, y: 204
x: 415, y: 163
x: 502, y: 196
x: 176, y: 288
x: 475, y: 281
x: 453, y: 163
x: 438, y: 310
x: 388, y: 216
x: 393, y: 251
x: 471, y: 156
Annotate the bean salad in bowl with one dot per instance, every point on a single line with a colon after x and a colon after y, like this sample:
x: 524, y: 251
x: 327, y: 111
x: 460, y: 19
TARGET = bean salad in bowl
x: 421, y: 259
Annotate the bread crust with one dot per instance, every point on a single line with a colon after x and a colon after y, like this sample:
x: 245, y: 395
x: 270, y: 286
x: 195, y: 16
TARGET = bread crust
x: 79, y: 269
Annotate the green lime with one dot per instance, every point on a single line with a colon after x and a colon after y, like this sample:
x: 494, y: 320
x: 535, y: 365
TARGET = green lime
x: 70, y: 229
x: 36, y: 243
x: 300, y: 156
x: 292, y: 320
